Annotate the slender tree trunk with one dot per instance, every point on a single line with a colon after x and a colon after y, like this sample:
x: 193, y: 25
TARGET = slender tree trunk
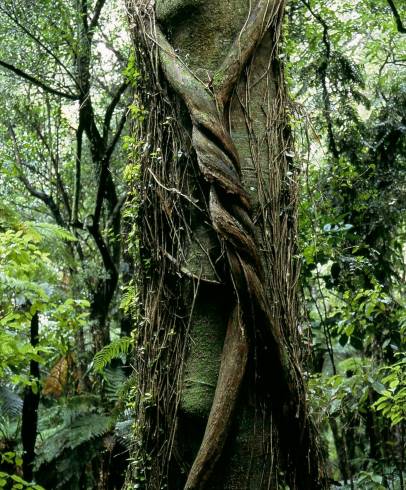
x: 30, y: 408
x: 222, y: 400
x: 341, y: 448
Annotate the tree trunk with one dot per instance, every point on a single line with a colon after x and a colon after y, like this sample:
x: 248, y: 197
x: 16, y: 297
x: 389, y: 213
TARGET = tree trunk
x: 222, y: 400
x: 30, y: 408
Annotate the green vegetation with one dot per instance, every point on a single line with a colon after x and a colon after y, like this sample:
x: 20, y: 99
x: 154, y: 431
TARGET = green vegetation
x: 350, y: 65
x: 70, y: 209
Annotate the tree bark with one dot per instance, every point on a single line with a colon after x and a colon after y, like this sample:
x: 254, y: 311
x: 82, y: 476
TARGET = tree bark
x: 222, y: 395
x: 30, y: 408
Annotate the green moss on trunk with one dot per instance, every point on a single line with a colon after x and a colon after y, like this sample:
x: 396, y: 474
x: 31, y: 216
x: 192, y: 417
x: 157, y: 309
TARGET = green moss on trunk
x: 202, y: 30
x: 203, y: 362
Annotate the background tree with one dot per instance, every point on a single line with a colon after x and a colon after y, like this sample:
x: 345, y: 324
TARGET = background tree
x: 63, y: 63
x: 353, y: 223
x: 61, y: 142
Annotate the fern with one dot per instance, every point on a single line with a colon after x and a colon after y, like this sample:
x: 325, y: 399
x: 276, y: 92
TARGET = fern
x: 8, y: 216
x: 65, y: 452
x: 10, y: 403
x: 74, y: 469
x: 114, y: 381
x: 80, y: 430
x: 49, y: 231
x: 129, y: 299
x: 9, y: 428
x: 46, y: 236
x: 35, y: 231
x: 124, y: 431
x: 21, y: 285
x: 53, y: 418
x: 115, y: 349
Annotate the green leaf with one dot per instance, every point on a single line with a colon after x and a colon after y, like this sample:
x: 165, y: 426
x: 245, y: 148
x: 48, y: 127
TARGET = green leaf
x: 17, y: 478
x: 378, y: 387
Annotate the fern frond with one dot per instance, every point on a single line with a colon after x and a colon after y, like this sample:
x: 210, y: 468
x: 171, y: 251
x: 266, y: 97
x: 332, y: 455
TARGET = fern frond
x: 50, y: 231
x: 114, y: 379
x: 115, y: 349
x: 37, y: 231
x: 81, y: 430
x: 53, y: 238
x: 16, y: 284
x: 10, y: 403
x: 9, y: 428
x: 52, y: 418
x: 124, y: 431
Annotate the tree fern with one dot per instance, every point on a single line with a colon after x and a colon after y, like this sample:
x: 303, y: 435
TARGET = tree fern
x: 55, y: 417
x: 53, y: 238
x: 49, y: 231
x: 115, y: 349
x: 35, y: 231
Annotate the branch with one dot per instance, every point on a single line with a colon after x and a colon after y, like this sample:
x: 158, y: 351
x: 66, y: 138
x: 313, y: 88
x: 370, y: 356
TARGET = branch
x: 41, y: 195
x: 100, y: 156
x: 100, y: 191
x: 399, y: 24
x: 122, y: 59
x: 101, y: 84
x: 117, y: 135
x: 323, y: 79
x: 104, y: 251
x: 45, y: 198
x: 83, y: 12
x: 111, y: 107
x: 38, y: 41
x: 35, y: 124
x: 78, y: 169
x: 106, y: 189
x: 100, y: 153
x: 36, y: 82
x: 54, y: 161
x: 96, y: 15
x: 116, y: 211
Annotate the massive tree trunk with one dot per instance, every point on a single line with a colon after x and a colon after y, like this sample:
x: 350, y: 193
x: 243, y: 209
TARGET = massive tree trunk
x: 222, y: 401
